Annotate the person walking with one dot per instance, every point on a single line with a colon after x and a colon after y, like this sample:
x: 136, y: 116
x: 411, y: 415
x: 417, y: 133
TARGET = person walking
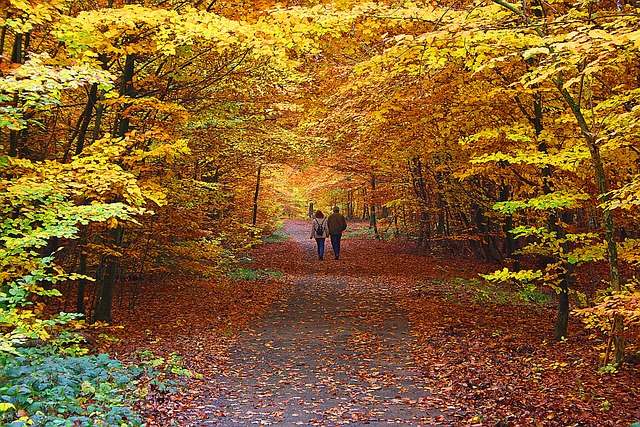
x: 336, y: 224
x: 319, y: 231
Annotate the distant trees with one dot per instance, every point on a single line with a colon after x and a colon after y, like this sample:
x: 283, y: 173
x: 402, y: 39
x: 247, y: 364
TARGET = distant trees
x: 151, y: 134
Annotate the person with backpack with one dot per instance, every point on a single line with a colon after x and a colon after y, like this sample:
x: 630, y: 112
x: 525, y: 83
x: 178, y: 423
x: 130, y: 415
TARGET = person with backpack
x: 319, y: 231
x: 336, y: 224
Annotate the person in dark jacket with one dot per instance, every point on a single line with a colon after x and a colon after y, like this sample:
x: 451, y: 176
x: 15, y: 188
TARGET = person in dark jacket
x: 337, y: 224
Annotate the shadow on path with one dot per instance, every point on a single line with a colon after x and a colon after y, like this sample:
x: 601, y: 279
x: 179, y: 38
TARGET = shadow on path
x: 335, y: 352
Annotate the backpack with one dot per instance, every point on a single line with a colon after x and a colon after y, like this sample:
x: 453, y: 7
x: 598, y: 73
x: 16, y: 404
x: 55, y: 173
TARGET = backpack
x: 319, y: 228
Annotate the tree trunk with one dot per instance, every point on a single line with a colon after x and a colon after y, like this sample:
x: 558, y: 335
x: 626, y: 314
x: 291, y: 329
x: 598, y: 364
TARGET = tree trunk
x: 487, y: 244
x: 562, y: 318
x: 350, y: 204
x: 126, y: 88
x: 373, y: 221
x: 3, y: 35
x: 365, y: 206
x: 16, y: 52
x: 561, y: 327
x: 255, y: 198
x: 440, y: 224
x: 83, y: 124
x: 99, y: 106
x: 607, y: 215
x: 14, y: 135
x: 82, y: 284
x: 566, y: 281
x: 105, y: 296
x: 107, y: 286
x: 98, y: 121
x: 420, y: 190
x: 510, y: 241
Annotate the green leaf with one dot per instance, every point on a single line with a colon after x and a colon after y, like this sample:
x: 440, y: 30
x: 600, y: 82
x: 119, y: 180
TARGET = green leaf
x: 564, y: 199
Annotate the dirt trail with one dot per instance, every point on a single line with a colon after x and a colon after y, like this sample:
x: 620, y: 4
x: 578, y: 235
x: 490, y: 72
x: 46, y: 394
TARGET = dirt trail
x: 336, y: 351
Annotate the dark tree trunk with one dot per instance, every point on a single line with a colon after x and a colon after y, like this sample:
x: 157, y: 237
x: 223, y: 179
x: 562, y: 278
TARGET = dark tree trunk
x: 82, y: 285
x: 562, y: 319
x: 609, y: 227
x: 254, y: 220
x: 365, y: 206
x: 17, y: 52
x: 83, y: 124
x: 510, y: 241
x: 106, y: 293
x: 350, y: 204
x: 16, y: 58
x: 420, y: 190
x: 97, y: 127
x: 566, y: 279
x: 107, y: 285
x: 126, y: 88
x: 373, y: 221
x: 488, y: 244
x: 3, y: 35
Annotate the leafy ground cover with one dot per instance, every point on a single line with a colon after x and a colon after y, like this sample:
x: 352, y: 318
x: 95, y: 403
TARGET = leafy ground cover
x: 480, y: 355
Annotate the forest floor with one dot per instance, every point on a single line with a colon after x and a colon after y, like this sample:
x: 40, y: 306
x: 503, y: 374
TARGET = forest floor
x: 387, y: 335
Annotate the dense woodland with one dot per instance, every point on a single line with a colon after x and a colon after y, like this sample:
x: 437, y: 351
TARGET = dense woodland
x: 141, y: 139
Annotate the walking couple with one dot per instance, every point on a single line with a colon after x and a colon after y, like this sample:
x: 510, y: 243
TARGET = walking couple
x: 332, y: 227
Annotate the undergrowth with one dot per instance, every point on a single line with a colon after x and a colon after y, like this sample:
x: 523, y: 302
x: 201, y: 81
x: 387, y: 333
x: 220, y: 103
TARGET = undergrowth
x: 48, y: 387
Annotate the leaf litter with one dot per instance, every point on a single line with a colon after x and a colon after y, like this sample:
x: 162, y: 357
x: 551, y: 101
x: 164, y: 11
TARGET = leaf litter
x: 387, y: 335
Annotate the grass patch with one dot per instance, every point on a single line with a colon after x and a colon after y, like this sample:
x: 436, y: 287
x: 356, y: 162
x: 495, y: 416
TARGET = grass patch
x: 276, y: 237
x: 485, y: 292
x: 359, y: 233
x: 251, y: 274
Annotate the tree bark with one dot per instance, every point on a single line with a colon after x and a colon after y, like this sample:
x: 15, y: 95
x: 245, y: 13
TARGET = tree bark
x: 255, y: 198
x: 607, y: 215
x: 510, y: 241
x: 82, y: 126
x: 105, y: 295
x: 86, y: 117
x: 107, y: 286
x: 3, y: 35
x: 484, y: 227
x: 420, y: 190
x: 373, y: 221
x: 82, y: 284
x: 126, y: 88
x: 561, y: 328
x: 14, y: 135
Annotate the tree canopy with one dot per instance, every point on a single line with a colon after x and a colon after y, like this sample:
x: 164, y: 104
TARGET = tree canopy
x: 152, y: 137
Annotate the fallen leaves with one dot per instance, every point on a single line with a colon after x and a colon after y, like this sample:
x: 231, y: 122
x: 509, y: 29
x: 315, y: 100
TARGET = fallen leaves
x: 385, y: 334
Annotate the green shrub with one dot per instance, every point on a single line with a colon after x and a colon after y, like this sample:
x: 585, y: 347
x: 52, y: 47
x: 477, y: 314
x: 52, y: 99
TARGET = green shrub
x: 53, y: 391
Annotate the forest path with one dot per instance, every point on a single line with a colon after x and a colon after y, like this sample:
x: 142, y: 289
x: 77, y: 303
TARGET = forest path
x: 335, y: 351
